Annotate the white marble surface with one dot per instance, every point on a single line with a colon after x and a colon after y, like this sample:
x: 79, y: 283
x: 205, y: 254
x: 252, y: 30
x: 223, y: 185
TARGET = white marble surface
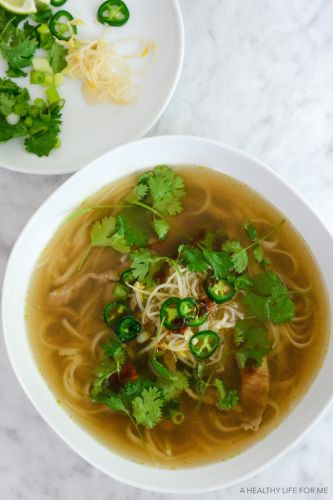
x: 257, y: 75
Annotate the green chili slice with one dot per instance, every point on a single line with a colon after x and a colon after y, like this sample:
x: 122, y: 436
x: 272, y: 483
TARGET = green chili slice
x: 187, y: 308
x: 113, y: 13
x: 170, y: 316
x: 127, y: 328
x: 219, y: 290
x: 113, y: 311
x: 201, y: 317
x: 204, y: 344
x: 127, y: 277
x: 61, y: 25
x: 58, y: 3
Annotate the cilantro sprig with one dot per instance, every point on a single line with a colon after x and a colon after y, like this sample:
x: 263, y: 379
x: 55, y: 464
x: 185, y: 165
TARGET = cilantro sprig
x: 252, y: 342
x: 111, y: 363
x: 38, y: 122
x: 144, y: 265
x: 228, y: 398
x: 160, y: 191
x: 201, y: 260
x: 147, y: 408
x: 158, y: 194
x: 270, y: 299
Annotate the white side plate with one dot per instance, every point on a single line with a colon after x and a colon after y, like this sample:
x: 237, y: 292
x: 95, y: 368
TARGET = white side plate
x: 89, y: 131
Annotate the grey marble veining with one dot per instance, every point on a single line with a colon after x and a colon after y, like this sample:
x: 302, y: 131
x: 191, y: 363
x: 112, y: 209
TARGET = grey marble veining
x: 258, y: 75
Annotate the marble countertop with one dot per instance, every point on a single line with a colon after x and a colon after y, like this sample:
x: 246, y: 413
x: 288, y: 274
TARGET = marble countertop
x: 258, y: 76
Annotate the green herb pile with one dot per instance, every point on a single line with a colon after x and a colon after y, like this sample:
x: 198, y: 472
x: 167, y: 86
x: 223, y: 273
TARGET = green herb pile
x: 38, y: 122
x: 35, y: 44
x: 144, y: 217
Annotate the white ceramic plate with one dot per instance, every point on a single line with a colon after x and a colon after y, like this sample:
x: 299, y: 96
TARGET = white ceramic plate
x: 122, y: 161
x: 90, y: 131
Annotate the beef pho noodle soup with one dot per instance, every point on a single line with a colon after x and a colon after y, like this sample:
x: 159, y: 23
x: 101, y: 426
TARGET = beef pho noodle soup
x: 177, y: 316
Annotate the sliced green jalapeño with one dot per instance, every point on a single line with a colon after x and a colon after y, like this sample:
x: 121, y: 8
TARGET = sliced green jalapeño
x: 113, y: 13
x: 204, y: 344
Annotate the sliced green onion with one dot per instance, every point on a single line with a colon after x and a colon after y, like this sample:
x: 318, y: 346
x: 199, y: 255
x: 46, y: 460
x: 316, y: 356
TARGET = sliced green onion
x: 177, y: 417
x: 52, y: 95
x: 58, y: 79
x: 37, y: 77
x: 41, y: 64
x: 46, y: 39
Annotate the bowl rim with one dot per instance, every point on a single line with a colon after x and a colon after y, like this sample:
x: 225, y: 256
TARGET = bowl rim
x: 49, y: 171
x: 215, y: 483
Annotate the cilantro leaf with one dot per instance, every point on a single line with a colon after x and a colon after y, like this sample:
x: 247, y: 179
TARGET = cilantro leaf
x: 251, y: 231
x: 231, y: 246
x: 118, y: 242
x: 220, y: 262
x: 268, y: 283
x: 147, y: 408
x: 116, y: 351
x: 193, y: 258
x: 161, y: 227
x: 43, y: 134
x: 228, y: 397
x: 41, y: 144
x: 144, y: 266
x: 281, y: 310
x: 113, y: 401
x: 18, y: 51
x: 253, y: 342
x: 141, y: 191
x: 172, y: 388
x: 102, y: 231
x: 141, y: 260
x: 57, y: 57
x: 103, y: 372
x: 7, y: 103
x: 166, y: 189
x: 13, y: 99
x: 257, y: 250
x: 240, y: 282
x: 103, y: 235
x: 134, y: 225
x: 201, y: 260
x: 113, y: 360
x: 239, y: 256
x: 8, y: 132
x: 258, y: 254
x: 134, y: 388
x: 257, y: 306
x: 213, y: 239
x: 270, y: 299
x: 240, y: 261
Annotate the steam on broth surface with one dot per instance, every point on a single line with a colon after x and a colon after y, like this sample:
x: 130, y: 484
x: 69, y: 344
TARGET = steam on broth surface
x: 179, y: 318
